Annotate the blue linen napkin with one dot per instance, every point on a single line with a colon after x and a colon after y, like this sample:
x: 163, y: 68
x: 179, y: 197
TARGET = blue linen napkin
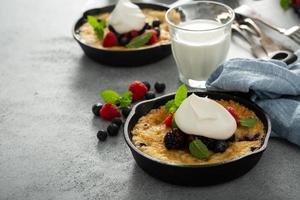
x: 275, y: 86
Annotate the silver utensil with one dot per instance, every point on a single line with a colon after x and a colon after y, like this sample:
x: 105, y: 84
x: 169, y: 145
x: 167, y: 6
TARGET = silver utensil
x: 274, y: 51
x: 293, y: 32
x: 256, y: 49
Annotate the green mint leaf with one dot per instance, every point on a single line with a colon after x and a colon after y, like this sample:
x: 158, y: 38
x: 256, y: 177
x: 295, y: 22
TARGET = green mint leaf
x: 126, y: 99
x: 98, y: 26
x: 248, y: 122
x: 285, y: 4
x: 198, y: 149
x: 181, y: 95
x: 110, y: 96
x: 170, y: 106
x: 139, y: 41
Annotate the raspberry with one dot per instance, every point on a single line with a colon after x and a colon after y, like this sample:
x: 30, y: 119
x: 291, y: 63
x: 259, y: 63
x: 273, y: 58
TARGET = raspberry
x: 168, y: 120
x: 233, y: 113
x: 109, y: 111
x: 296, y: 2
x: 110, y: 40
x: 138, y: 90
x: 153, y: 38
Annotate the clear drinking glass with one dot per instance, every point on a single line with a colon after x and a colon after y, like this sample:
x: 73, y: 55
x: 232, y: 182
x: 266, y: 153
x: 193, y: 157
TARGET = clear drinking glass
x: 200, y: 33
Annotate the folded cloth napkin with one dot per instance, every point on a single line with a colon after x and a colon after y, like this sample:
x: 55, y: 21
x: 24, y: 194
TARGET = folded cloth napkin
x: 275, y: 87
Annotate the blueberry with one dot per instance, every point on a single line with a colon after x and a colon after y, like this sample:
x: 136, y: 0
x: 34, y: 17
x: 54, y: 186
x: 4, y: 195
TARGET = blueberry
x: 147, y: 84
x: 210, y: 143
x: 126, y: 111
x: 149, y: 95
x: 157, y: 29
x: 124, y: 40
x: 113, y: 129
x: 102, y: 135
x: 159, y: 87
x: 220, y: 146
x: 117, y: 121
x: 156, y: 23
x: 96, y: 108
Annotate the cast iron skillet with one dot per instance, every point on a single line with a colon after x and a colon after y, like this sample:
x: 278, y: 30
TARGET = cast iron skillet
x: 134, y: 57
x: 195, y: 174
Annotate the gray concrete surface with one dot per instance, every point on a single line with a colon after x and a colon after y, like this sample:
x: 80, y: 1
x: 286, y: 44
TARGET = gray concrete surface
x: 48, y: 144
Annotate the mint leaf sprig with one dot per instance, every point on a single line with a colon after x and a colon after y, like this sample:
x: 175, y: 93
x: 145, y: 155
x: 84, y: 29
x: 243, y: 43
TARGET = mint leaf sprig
x: 285, y: 4
x: 139, y: 41
x: 248, y: 122
x: 98, y: 26
x: 111, y: 96
x: 181, y: 94
x: 198, y: 149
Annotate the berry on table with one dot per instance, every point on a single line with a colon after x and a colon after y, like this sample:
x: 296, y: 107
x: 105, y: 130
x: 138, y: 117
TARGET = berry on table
x: 96, y: 108
x: 126, y: 111
x: 147, y: 84
x: 150, y: 95
x: 102, y: 135
x: 138, y: 90
x: 109, y: 111
x: 117, y: 121
x: 110, y: 40
x: 113, y: 129
x: 175, y: 139
x: 159, y: 87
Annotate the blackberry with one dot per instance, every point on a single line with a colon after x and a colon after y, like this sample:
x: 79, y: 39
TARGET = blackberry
x: 96, y: 108
x: 220, y: 146
x: 149, y: 95
x: 175, y: 139
x: 147, y: 84
x: 117, y: 121
x: 102, y: 135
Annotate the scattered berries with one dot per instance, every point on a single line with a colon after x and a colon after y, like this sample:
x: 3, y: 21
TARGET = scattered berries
x: 147, y: 84
x: 156, y: 23
x: 102, y: 135
x: 126, y: 111
x: 150, y: 95
x: 154, y: 38
x: 117, y: 121
x: 110, y: 40
x: 138, y: 90
x: 233, y: 113
x: 96, y: 108
x: 113, y: 129
x: 220, y: 146
x: 109, y: 111
x: 175, y: 139
x: 168, y: 120
x: 159, y: 87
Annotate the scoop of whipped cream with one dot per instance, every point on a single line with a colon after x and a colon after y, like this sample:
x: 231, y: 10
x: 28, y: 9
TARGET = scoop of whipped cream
x: 126, y: 17
x: 205, y: 117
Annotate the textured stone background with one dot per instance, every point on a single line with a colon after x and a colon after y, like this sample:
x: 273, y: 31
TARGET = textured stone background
x: 48, y: 144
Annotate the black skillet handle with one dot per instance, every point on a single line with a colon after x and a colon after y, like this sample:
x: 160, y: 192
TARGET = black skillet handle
x: 286, y: 56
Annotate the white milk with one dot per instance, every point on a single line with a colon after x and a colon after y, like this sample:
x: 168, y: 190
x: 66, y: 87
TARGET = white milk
x: 198, y: 53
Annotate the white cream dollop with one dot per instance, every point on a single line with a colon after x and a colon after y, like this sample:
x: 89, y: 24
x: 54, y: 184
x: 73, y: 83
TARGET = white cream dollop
x: 126, y: 17
x: 205, y: 117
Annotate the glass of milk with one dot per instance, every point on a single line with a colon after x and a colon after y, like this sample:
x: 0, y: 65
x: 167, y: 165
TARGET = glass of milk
x: 200, y: 34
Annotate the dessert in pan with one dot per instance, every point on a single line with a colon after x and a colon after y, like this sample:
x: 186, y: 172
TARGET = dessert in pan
x: 198, y: 130
x: 126, y: 27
